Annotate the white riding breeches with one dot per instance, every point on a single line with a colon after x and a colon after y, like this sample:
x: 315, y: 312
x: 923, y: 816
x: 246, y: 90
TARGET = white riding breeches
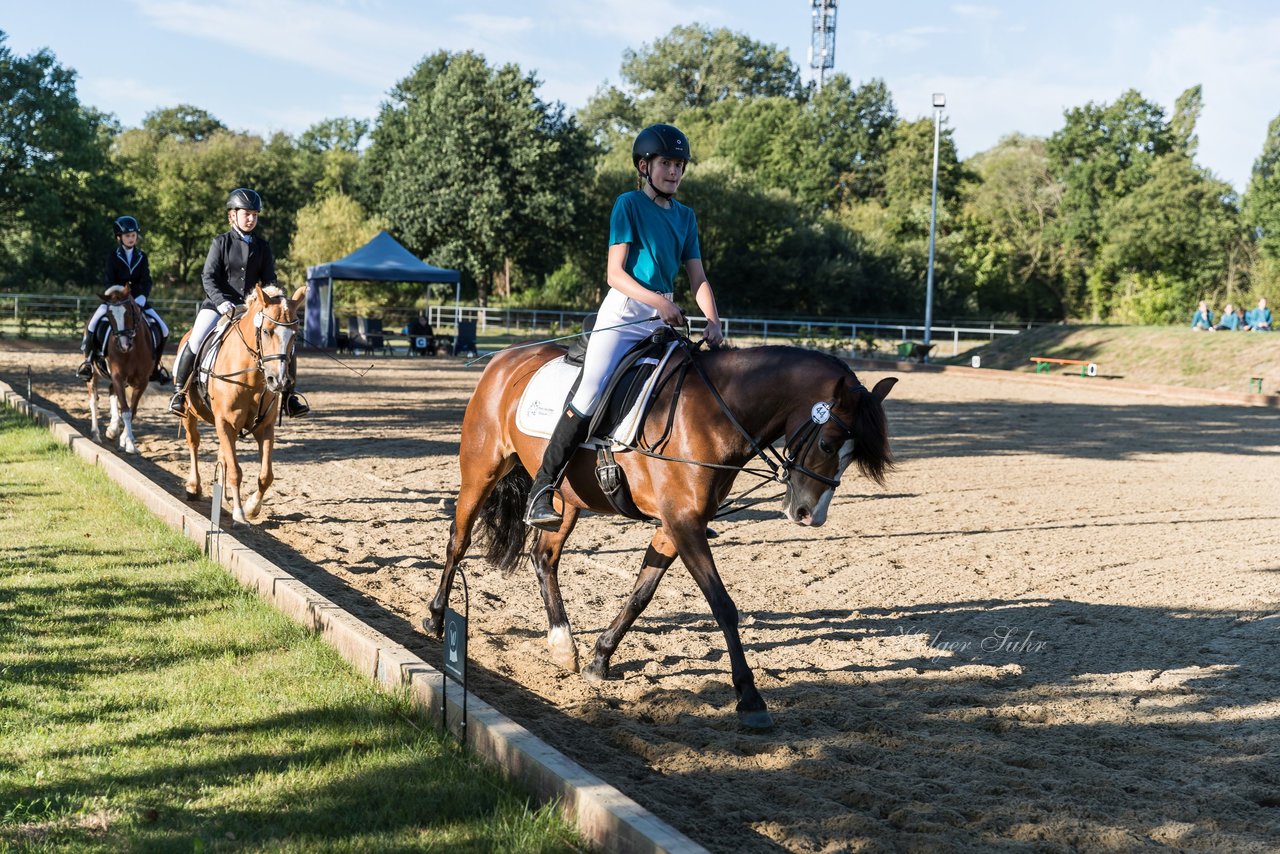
x: 164, y: 327
x: 205, y: 320
x: 608, y: 342
x: 101, y: 312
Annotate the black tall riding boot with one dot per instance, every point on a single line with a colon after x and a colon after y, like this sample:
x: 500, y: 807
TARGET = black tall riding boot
x: 85, y: 371
x: 570, y: 431
x: 182, y: 369
x: 295, y: 405
x: 158, y: 373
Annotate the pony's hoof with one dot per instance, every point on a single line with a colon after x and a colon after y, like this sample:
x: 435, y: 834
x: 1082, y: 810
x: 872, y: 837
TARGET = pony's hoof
x: 237, y: 518
x: 758, y: 719
x: 97, y: 437
x: 564, y: 652
x: 595, y: 672
x: 130, y: 448
x: 433, y: 626
x: 193, y: 492
x: 113, y: 434
x: 253, y: 507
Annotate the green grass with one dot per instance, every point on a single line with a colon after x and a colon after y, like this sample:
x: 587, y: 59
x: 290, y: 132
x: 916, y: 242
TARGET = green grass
x: 147, y: 703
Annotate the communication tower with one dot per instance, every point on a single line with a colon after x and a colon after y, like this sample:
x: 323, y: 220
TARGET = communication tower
x: 822, y: 45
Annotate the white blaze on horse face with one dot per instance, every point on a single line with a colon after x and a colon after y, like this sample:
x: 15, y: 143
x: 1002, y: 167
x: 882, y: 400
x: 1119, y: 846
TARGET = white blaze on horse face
x: 117, y: 320
x: 815, y: 515
x: 824, y: 503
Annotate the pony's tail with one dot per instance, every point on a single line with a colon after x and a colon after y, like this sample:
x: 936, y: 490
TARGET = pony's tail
x: 871, y: 439
x: 501, y: 520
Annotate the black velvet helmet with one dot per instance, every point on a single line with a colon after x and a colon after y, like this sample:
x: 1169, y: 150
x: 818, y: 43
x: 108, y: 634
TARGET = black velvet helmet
x: 242, y: 197
x: 125, y: 224
x: 659, y: 141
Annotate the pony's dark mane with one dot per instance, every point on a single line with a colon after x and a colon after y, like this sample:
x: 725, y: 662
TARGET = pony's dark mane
x: 786, y: 352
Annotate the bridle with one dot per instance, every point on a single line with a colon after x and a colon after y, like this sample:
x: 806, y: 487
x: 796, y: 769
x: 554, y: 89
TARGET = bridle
x: 781, y: 464
x: 255, y: 349
x: 128, y: 333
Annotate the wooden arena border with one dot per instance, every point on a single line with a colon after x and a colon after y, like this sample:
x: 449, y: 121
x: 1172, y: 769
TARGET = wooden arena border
x: 602, y: 814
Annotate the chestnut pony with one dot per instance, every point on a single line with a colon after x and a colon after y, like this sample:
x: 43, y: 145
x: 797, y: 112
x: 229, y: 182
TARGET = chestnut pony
x: 731, y: 406
x: 129, y: 363
x: 245, y: 383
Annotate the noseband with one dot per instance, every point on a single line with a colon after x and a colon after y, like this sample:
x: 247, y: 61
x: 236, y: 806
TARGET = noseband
x: 125, y: 332
x: 258, y: 320
x: 799, y: 443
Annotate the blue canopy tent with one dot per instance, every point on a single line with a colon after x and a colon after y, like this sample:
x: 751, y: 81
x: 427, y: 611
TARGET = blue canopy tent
x: 382, y: 259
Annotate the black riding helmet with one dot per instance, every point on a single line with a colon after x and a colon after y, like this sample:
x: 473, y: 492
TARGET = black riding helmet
x: 659, y: 141
x: 125, y: 224
x: 242, y: 197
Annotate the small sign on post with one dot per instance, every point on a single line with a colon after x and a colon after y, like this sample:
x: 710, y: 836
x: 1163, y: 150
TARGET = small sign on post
x: 215, y: 513
x: 455, y: 657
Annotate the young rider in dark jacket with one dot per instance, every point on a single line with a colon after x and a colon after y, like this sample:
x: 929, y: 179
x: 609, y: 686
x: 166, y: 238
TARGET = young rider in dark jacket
x: 237, y: 260
x: 127, y: 265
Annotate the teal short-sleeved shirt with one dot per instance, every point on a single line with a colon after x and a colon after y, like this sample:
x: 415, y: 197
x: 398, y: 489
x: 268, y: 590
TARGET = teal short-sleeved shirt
x: 661, y: 239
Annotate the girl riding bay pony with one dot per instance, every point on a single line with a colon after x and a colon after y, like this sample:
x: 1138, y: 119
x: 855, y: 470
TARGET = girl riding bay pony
x: 733, y: 406
x: 246, y: 382
x: 129, y: 365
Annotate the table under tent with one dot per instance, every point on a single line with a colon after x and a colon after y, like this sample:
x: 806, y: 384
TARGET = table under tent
x: 382, y: 259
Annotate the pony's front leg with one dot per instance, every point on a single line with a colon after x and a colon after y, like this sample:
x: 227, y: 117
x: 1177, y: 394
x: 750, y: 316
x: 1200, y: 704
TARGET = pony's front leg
x: 266, y: 443
x: 113, y: 428
x: 93, y: 408
x: 192, y: 428
x: 545, y: 555
x: 231, y: 469
x: 691, y: 540
x: 660, y: 555
x: 127, y: 440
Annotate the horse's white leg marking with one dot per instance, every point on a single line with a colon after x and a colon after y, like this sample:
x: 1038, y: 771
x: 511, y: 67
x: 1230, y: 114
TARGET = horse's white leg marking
x: 564, y: 651
x: 127, y: 441
x: 113, y: 429
x: 93, y: 409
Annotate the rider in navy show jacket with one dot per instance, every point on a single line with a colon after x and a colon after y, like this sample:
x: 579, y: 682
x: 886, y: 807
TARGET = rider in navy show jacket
x: 127, y: 266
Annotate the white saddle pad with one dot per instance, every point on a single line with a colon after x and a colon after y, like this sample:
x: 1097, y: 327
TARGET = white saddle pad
x: 211, y: 352
x: 544, y: 400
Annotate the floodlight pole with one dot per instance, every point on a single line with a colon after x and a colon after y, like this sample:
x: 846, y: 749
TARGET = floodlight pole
x: 939, y: 101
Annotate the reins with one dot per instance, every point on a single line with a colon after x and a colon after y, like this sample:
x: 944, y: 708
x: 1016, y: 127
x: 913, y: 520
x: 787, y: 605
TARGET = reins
x: 260, y: 363
x: 780, y: 464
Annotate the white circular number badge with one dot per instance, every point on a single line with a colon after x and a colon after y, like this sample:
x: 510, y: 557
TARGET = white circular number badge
x: 820, y: 413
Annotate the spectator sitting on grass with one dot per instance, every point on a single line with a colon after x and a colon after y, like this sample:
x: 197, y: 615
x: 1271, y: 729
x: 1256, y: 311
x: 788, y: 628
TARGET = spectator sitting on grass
x: 1260, y: 317
x: 1230, y: 319
x: 1203, y: 318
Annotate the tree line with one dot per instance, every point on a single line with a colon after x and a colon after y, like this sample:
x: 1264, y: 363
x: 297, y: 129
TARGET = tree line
x: 811, y: 202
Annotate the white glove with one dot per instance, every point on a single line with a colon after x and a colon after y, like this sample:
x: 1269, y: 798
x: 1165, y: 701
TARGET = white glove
x: 226, y: 307
x: 141, y: 301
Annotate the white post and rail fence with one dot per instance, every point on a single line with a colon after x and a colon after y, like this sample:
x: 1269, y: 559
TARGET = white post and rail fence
x: 53, y: 315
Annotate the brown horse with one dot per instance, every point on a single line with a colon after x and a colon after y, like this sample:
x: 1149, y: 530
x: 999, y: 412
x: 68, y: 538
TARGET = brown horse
x: 129, y: 362
x: 245, y: 383
x: 734, y: 405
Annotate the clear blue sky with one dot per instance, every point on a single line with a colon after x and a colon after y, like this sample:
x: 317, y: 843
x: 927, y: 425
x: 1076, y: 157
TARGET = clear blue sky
x: 1005, y: 65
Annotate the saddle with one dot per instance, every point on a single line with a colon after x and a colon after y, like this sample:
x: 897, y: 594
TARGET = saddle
x: 625, y: 403
x: 102, y: 335
x: 205, y: 358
